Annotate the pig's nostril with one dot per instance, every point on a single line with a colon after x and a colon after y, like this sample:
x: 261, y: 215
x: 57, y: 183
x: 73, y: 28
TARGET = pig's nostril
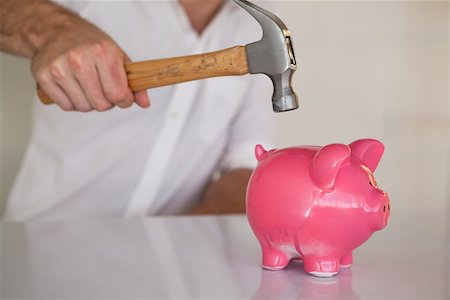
x: 389, y: 207
x: 384, y: 208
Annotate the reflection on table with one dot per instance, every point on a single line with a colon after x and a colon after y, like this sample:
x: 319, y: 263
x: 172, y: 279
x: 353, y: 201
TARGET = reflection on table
x: 208, y: 258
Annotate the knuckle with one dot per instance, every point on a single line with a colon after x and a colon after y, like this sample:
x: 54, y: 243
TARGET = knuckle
x: 56, y: 71
x: 75, y: 60
x: 43, y: 78
x: 104, y: 49
x: 100, y: 49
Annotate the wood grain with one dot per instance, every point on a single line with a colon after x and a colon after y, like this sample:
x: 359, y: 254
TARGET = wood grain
x: 155, y: 73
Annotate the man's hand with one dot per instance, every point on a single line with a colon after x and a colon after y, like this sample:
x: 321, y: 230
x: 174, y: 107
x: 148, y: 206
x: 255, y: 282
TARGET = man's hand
x: 79, y: 66
x: 225, y: 196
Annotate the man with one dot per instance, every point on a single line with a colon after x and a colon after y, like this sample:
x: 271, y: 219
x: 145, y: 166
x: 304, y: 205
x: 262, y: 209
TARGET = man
x: 133, y: 162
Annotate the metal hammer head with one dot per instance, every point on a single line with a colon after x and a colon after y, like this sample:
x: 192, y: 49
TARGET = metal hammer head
x: 273, y: 55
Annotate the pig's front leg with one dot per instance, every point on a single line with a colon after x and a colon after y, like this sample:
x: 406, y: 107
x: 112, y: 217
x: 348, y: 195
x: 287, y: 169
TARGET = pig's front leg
x: 274, y: 259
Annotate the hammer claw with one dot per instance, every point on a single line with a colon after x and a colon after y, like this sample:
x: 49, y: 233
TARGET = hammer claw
x: 273, y: 55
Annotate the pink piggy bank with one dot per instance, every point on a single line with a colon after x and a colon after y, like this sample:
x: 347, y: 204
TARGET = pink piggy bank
x: 316, y: 204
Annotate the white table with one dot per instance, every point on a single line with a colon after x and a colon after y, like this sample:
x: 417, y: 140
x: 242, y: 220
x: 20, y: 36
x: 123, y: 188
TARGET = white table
x: 211, y: 258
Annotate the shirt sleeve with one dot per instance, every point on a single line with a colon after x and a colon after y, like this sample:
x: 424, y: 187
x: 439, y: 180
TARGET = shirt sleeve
x: 254, y: 124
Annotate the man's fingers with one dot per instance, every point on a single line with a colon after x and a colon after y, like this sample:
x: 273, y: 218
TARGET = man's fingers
x: 92, y: 77
x: 113, y: 77
x: 142, y: 99
x: 89, y: 80
x: 54, y: 91
x: 62, y: 75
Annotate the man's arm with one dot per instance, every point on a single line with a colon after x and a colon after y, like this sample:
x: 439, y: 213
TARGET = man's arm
x: 225, y: 196
x: 78, y: 65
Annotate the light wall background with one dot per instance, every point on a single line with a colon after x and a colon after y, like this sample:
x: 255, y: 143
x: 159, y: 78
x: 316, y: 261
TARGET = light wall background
x: 366, y: 69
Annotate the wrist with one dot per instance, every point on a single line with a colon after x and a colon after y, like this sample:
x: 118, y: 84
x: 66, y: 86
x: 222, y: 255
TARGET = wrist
x: 50, y: 21
x: 27, y: 25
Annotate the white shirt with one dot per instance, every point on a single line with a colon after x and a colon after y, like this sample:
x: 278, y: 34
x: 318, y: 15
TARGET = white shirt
x: 81, y: 165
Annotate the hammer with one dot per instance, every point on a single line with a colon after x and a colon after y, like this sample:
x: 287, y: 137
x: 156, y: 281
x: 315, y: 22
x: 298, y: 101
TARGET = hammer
x: 273, y: 55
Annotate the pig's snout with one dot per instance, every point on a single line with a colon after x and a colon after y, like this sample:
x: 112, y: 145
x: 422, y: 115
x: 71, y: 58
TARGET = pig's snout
x: 382, y: 212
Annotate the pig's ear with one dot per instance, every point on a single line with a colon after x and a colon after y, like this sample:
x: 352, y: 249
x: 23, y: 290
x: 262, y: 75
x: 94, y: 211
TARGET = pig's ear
x: 326, y: 164
x: 369, y: 151
x: 260, y: 152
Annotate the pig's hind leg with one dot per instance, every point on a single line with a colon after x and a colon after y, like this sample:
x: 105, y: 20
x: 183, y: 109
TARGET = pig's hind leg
x: 321, y: 266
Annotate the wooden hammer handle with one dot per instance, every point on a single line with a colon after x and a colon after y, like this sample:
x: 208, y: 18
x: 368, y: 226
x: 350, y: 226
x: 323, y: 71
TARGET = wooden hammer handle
x: 154, y: 73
